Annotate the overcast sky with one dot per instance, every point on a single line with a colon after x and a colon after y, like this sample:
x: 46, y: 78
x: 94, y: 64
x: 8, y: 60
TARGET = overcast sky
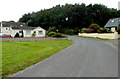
x: 14, y: 9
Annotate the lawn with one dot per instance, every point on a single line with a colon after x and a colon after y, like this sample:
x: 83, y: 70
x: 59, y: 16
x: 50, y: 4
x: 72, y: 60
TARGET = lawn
x: 19, y: 55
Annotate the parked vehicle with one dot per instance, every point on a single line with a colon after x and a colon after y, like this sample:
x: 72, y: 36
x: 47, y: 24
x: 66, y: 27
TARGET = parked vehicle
x: 5, y: 36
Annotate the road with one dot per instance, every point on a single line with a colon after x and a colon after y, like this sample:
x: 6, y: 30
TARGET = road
x: 87, y: 57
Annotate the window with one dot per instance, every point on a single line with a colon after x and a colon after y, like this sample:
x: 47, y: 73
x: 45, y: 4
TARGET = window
x: 6, y: 29
x: 40, y: 32
x: 28, y: 32
x: 21, y: 25
x: 113, y: 21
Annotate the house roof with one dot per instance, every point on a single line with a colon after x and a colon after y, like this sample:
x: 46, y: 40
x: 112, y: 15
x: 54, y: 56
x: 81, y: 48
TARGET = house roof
x: 115, y: 22
x: 16, y: 25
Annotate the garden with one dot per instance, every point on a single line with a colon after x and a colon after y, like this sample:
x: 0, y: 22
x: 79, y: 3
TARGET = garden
x: 95, y: 31
x: 95, y: 28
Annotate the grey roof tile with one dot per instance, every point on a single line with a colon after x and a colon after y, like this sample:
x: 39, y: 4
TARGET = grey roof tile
x: 113, y: 23
x: 16, y: 25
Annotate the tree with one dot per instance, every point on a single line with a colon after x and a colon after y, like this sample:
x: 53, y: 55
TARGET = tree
x: 70, y: 16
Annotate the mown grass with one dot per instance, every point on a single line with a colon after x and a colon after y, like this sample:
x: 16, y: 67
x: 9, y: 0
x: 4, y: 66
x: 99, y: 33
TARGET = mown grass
x: 19, y: 55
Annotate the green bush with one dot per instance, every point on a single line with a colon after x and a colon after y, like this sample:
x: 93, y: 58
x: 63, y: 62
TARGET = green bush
x: 58, y: 35
x: 118, y: 30
x: 51, y: 33
x: 51, y: 29
x: 33, y: 35
x: 84, y: 30
x: 95, y: 27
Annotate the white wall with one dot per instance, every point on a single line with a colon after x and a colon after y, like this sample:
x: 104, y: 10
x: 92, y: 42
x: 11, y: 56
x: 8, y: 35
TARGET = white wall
x: 103, y: 35
x: 9, y: 31
x: 35, y: 30
x: 39, y: 29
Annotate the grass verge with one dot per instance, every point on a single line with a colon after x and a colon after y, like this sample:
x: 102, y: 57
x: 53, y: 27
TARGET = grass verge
x: 17, y: 56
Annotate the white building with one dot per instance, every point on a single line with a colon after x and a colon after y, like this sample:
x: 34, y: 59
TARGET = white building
x: 12, y: 28
x: 113, y: 24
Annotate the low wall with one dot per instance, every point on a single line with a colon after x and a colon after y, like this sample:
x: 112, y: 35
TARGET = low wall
x: 32, y: 39
x: 118, y: 35
x: 100, y: 35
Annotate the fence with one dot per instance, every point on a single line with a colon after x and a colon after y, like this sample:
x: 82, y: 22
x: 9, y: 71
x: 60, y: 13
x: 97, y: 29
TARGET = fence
x: 101, y: 35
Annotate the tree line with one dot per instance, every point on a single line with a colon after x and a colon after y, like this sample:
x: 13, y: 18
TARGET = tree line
x: 70, y: 18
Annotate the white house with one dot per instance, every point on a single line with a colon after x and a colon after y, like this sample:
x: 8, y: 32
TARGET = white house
x: 113, y: 24
x: 12, y: 28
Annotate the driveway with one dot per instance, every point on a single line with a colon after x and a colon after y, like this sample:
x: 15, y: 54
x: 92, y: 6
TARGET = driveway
x: 87, y: 57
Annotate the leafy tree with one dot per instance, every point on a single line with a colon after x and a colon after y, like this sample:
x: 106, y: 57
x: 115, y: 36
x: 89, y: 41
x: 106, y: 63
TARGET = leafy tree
x: 70, y: 18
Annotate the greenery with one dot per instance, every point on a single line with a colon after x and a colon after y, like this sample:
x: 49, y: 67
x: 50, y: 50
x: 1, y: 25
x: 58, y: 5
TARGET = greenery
x: 118, y: 30
x: 84, y: 30
x: 59, y: 35
x: 52, y: 29
x: 54, y: 34
x: 70, y: 18
x: 51, y: 33
x: 24, y: 54
x: 34, y: 34
x: 95, y: 28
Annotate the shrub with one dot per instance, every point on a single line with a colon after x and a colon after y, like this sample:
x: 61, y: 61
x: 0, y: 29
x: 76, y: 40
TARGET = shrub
x: 84, y: 30
x: 118, y: 30
x: 33, y: 35
x: 90, y: 30
x: 95, y: 27
x: 58, y: 35
x: 104, y: 30
x: 51, y: 33
x: 100, y: 30
x: 51, y: 29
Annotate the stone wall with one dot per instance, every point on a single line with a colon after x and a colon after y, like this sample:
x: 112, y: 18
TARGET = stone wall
x: 100, y: 35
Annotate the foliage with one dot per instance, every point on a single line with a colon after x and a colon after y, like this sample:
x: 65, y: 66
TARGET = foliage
x: 70, y: 16
x: 90, y: 30
x: 84, y: 30
x: 58, y: 35
x: 52, y: 29
x: 95, y: 27
x: 104, y: 30
x: 34, y: 34
x: 51, y: 33
x: 24, y: 54
x: 54, y: 34
x: 118, y: 30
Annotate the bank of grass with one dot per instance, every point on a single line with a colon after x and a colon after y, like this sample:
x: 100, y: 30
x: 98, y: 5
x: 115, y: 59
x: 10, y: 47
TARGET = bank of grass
x: 19, y: 55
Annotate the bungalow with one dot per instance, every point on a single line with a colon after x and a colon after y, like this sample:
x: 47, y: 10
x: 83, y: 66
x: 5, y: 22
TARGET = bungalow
x: 113, y: 24
x: 17, y: 28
